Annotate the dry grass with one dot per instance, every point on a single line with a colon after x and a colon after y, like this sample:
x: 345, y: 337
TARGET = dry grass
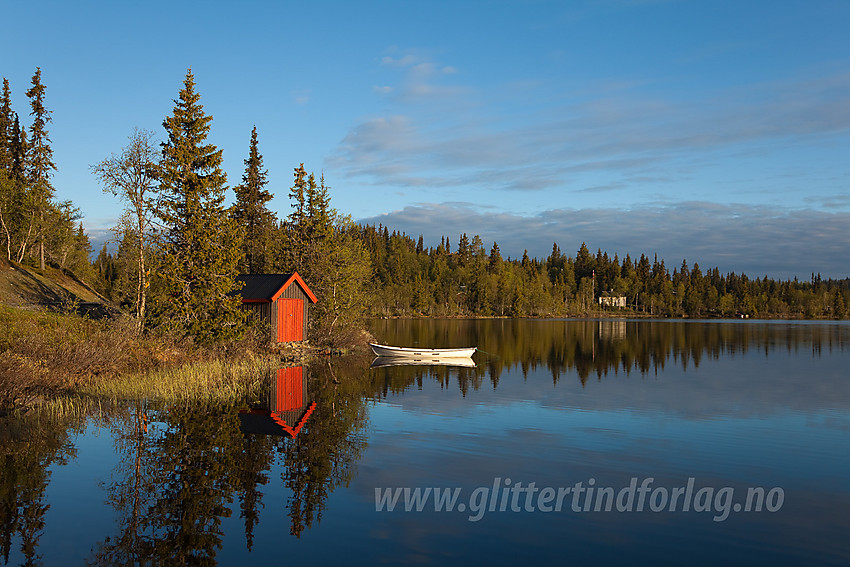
x: 67, y: 406
x: 215, y: 381
x: 46, y: 355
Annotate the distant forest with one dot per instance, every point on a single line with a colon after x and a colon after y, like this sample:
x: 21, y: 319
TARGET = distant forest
x: 411, y: 279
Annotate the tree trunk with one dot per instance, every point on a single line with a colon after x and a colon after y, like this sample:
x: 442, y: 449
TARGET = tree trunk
x: 142, y: 293
x: 41, y: 239
x: 8, y: 238
x: 24, y: 243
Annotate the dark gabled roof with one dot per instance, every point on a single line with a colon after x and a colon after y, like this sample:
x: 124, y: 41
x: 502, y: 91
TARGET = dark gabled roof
x: 267, y: 287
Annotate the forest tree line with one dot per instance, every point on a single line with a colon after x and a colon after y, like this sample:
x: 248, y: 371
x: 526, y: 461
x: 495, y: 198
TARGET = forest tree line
x: 180, y: 248
x: 412, y: 279
x: 35, y: 228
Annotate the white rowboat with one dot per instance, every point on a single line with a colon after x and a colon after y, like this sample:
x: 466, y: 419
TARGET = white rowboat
x: 405, y: 352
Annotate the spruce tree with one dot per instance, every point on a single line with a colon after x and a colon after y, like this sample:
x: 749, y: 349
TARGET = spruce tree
x: 296, y: 222
x: 585, y: 263
x: 17, y: 213
x: 16, y: 216
x: 6, y: 181
x: 18, y: 148
x: 201, y: 243
x: 319, y: 212
x: 251, y: 214
x: 494, y: 265
x: 325, y: 248
x: 41, y: 164
x: 21, y: 213
x: 6, y: 122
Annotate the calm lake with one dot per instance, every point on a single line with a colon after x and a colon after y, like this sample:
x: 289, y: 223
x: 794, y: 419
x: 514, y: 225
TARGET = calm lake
x: 604, y: 442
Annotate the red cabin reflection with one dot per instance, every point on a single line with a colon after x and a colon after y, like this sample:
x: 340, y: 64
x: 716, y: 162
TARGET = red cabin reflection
x: 288, y: 407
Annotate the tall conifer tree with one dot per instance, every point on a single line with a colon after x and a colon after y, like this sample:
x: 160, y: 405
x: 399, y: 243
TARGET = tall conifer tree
x: 40, y: 161
x: 18, y: 147
x: 318, y: 208
x: 202, y: 244
x: 293, y: 239
x: 251, y: 213
x: 6, y: 180
x: 6, y: 122
x: 16, y: 216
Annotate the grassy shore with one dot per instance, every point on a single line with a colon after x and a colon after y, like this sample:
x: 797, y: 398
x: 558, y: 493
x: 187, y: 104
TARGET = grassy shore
x: 216, y: 381
x: 46, y: 356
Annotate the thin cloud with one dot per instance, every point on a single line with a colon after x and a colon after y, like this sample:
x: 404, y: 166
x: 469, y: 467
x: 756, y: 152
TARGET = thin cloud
x: 301, y: 96
x: 619, y: 133
x: 405, y: 61
x: 830, y: 201
x: 421, y: 82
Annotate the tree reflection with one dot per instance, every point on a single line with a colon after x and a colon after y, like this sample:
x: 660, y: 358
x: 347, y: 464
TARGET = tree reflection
x: 194, y: 461
x: 182, y: 470
x: 173, y: 485
x: 324, y: 454
x: 583, y: 348
x: 256, y: 460
x: 182, y: 467
x: 28, y: 447
x: 132, y: 487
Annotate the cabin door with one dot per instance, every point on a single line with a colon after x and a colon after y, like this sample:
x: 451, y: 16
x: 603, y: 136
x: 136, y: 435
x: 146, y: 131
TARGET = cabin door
x: 290, y: 320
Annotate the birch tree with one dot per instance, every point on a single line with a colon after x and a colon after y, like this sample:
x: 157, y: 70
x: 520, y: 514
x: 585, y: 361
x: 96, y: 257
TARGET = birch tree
x: 132, y: 175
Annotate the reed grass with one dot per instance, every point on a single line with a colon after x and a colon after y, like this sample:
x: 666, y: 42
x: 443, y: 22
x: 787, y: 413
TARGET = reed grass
x: 67, y: 406
x: 216, y: 381
x: 63, y: 361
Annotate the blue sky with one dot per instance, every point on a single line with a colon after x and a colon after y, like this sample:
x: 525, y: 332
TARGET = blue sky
x: 713, y: 131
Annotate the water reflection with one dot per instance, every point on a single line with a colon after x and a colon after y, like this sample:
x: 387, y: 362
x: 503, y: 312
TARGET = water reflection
x: 382, y: 361
x: 600, y: 347
x: 286, y: 409
x: 184, y: 476
x: 172, y: 486
x: 27, y: 449
x: 179, y: 477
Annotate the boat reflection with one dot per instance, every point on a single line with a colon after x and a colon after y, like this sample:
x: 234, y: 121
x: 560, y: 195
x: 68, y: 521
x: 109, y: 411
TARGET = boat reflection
x: 382, y: 361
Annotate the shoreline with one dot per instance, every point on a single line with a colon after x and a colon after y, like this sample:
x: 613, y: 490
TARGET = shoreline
x: 612, y: 316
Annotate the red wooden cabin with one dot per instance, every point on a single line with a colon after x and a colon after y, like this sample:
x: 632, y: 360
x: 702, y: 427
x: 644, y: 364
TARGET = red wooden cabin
x: 280, y: 299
